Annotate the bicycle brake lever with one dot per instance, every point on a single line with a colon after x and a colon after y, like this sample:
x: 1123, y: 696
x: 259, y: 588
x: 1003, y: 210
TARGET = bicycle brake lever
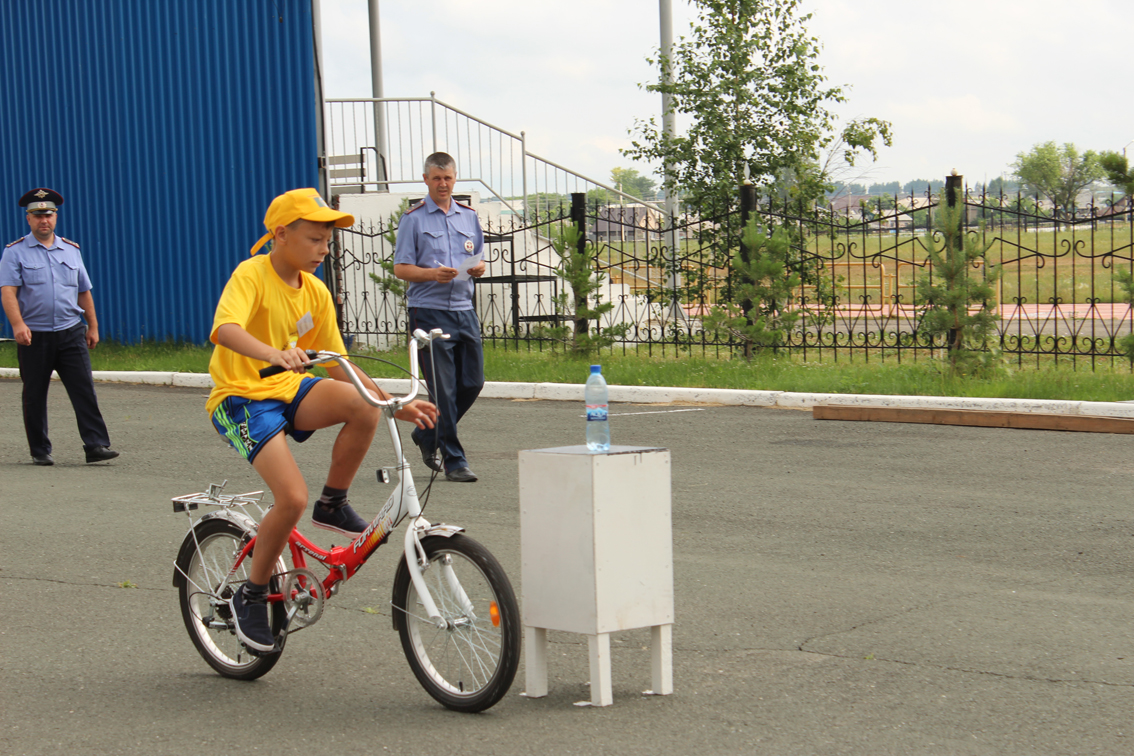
x: 423, y: 338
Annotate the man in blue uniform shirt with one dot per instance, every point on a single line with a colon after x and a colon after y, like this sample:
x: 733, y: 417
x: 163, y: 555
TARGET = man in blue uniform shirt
x: 435, y: 237
x: 46, y: 294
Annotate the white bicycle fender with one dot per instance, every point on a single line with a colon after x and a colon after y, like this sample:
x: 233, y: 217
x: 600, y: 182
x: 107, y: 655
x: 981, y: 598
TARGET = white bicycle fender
x: 239, y: 519
x: 441, y: 529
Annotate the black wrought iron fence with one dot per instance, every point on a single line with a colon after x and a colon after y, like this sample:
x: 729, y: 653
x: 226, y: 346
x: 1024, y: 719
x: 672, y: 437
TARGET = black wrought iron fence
x: 863, y: 261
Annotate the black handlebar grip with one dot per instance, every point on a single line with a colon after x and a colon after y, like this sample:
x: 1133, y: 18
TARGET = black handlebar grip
x: 274, y: 369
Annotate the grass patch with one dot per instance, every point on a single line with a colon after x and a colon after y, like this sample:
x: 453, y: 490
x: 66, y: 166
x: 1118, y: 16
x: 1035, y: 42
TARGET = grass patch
x: 926, y: 377
x: 160, y: 356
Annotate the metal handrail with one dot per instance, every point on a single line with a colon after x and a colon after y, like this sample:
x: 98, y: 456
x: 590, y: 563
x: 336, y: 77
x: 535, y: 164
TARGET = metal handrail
x: 496, y: 131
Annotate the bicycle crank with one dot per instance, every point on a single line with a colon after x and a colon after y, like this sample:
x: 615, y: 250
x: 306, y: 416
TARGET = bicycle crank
x: 303, y: 598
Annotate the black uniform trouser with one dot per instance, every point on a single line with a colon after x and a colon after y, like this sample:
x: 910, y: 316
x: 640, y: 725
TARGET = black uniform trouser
x: 66, y: 353
x: 459, y: 372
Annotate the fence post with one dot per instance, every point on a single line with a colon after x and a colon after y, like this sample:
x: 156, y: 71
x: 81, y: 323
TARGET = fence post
x: 747, y: 207
x: 579, y: 219
x: 954, y: 185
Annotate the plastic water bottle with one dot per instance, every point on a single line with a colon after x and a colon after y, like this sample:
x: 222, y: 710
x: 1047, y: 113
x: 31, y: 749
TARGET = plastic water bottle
x: 598, y: 426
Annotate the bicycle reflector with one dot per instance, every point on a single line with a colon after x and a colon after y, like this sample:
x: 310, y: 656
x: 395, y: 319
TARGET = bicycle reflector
x: 494, y: 614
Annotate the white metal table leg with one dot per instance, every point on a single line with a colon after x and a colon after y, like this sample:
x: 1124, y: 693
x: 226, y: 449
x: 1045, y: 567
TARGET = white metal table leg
x: 661, y: 659
x: 535, y: 662
x: 601, y: 694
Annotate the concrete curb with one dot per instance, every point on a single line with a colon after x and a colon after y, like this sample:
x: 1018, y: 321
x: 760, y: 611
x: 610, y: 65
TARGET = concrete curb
x: 573, y: 392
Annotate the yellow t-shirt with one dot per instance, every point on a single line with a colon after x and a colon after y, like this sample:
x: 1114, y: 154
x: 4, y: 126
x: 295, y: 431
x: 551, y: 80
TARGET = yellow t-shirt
x: 256, y: 299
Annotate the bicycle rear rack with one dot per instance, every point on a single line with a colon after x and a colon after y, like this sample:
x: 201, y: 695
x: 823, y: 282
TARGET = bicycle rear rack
x: 214, y: 498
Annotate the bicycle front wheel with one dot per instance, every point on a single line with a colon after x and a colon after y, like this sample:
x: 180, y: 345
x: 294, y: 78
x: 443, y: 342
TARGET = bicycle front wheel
x: 469, y: 664
x: 207, y: 555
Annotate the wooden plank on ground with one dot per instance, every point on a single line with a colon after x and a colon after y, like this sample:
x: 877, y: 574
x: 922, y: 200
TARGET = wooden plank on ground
x: 977, y: 418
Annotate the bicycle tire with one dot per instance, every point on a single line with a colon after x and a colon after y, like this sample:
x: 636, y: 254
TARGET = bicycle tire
x: 204, y: 561
x: 468, y: 666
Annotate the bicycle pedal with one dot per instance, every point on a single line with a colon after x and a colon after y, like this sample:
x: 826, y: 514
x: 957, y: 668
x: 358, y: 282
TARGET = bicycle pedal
x: 253, y: 652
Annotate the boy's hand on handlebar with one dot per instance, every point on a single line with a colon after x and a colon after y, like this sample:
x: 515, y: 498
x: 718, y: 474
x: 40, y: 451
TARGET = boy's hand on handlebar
x: 419, y: 412
x: 295, y: 360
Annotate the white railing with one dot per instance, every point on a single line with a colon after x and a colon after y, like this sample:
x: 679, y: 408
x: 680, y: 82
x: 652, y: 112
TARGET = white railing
x: 383, y: 143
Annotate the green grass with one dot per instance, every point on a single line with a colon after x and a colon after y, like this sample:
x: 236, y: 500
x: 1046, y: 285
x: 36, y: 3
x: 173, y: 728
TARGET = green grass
x: 922, y: 378
x: 161, y: 356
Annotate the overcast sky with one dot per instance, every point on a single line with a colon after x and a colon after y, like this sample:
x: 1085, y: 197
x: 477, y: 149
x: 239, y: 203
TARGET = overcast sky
x: 965, y: 88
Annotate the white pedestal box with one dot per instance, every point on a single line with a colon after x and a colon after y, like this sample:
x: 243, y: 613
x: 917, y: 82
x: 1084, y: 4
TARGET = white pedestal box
x: 596, y: 543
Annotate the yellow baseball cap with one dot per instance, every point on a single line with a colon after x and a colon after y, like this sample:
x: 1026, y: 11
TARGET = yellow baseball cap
x: 300, y: 204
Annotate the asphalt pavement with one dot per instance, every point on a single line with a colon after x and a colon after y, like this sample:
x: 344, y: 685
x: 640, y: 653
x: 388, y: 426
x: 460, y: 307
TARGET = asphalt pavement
x: 841, y: 588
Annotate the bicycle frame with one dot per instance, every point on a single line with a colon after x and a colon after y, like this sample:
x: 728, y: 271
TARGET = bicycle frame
x: 345, y: 561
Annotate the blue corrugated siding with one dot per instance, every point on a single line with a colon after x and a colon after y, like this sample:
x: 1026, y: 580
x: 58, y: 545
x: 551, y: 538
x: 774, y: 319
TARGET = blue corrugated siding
x: 168, y: 127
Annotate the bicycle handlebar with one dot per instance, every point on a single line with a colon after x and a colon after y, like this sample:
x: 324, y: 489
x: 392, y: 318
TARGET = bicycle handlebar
x: 277, y: 369
x: 419, y: 338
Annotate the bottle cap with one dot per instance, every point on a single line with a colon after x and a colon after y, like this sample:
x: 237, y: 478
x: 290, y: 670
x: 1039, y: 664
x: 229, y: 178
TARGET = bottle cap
x: 596, y: 369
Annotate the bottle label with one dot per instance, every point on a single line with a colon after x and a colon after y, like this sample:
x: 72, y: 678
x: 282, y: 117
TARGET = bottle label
x: 596, y: 412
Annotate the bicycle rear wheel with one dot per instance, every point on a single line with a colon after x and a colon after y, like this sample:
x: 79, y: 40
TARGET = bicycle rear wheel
x: 205, y: 563
x: 470, y: 663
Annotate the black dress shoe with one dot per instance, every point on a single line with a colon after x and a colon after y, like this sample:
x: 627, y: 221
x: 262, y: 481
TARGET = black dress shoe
x: 461, y: 475
x: 44, y: 460
x: 427, y: 456
x: 100, y: 454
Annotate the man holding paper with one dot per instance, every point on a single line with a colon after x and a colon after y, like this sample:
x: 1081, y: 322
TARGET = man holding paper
x: 439, y: 251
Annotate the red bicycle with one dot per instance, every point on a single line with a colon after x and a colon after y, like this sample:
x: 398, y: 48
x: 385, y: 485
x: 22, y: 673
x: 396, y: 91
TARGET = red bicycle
x: 452, y: 604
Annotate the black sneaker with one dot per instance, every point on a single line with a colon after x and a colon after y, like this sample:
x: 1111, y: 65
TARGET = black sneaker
x: 341, y: 520
x: 250, y: 620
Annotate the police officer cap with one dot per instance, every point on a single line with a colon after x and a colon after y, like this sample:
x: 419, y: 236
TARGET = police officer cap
x: 40, y: 201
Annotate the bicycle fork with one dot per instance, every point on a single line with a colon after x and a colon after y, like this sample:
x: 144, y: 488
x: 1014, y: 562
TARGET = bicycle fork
x: 403, y: 501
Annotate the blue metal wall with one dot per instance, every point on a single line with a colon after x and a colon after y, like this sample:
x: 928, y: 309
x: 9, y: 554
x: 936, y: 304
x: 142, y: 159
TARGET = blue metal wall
x: 168, y: 127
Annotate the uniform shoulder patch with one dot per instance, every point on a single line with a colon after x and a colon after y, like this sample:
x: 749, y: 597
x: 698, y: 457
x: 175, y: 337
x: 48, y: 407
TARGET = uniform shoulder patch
x: 12, y: 244
x: 419, y: 205
x: 464, y: 205
x: 72, y: 243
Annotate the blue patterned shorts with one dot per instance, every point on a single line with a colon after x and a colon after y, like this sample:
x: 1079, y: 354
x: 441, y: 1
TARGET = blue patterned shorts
x: 247, y: 424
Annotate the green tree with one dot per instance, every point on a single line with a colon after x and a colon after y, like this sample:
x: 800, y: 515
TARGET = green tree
x: 1125, y: 279
x: 748, y: 79
x: 629, y: 181
x: 890, y: 187
x: 1058, y: 173
x: 1000, y: 185
x: 958, y: 296
x: 388, y: 283
x: 765, y: 283
x: 577, y: 270
x: 626, y: 180
x: 1118, y: 171
x: 919, y: 186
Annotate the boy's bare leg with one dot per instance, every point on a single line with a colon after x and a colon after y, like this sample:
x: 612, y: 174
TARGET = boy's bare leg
x: 331, y: 403
x: 289, y: 492
x: 327, y: 403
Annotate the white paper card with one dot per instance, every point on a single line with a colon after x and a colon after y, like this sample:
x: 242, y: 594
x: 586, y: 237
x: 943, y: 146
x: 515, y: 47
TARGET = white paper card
x: 304, y: 324
x: 468, y: 262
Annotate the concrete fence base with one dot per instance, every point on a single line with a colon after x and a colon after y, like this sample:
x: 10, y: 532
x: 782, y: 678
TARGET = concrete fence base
x: 573, y: 392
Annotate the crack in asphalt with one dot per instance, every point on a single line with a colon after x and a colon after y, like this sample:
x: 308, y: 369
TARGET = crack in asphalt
x: 1003, y: 675
x: 76, y: 583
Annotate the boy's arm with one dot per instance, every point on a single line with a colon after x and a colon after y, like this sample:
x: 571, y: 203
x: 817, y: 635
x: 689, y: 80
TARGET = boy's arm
x: 231, y: 336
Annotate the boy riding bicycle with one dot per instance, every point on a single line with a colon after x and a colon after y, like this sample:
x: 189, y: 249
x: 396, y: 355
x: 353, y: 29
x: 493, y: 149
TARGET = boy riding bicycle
x: 272, y: 310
